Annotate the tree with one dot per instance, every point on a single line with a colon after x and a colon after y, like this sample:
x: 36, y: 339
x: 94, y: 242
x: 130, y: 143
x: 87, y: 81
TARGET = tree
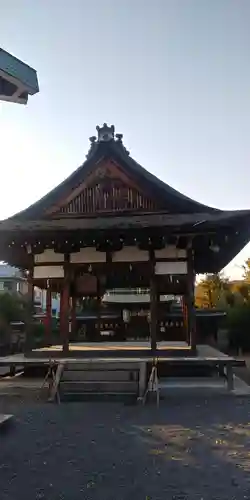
x: 246, y: 271
x: 230, y: 298
x: 244, y: 291
x: 211, y: 291
x: 13, y: 308
x: 238, y: 314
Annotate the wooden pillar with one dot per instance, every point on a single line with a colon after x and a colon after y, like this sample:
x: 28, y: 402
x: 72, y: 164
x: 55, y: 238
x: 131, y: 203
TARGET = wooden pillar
x: 64, y: 317
x: 30, y: 311
x: 61, y: 309
x: 48, y: 324
x: 153, y: 305
x: 99, y: 303
x: 185, y: 318
x: 191, y: 318
x: 64, y: 307
x: 73, y: 314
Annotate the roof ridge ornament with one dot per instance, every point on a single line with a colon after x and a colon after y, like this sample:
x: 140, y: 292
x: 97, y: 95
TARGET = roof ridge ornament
x: 105, y: 133
x: 119, y: 142
x: 119, y: 137
x: 93, y: 145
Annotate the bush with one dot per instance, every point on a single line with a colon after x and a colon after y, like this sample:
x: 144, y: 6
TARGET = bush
x: 38, y: 331
x: 12, y: 308
x: 238, y: 324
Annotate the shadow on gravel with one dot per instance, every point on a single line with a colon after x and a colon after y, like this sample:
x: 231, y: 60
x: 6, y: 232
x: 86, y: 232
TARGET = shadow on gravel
x: 183, y: 451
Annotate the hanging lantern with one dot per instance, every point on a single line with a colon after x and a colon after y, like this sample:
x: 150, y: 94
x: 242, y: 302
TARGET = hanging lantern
x: 126, y: 316
x: 29, y: 248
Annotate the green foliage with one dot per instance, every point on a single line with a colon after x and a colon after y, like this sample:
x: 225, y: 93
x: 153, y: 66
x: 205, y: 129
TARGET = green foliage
x: 38, y: 331
x: 246, y: 271
x: 230, y: 299
x: 12, y: 308
x: 244, y: 291
x: 214, y: 291
x: 238, y: 324
x: 37, y: 335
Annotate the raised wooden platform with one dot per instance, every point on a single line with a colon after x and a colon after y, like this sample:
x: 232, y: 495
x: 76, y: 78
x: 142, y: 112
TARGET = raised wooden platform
x: 115, y: 350
x: 90, y: 374
x: 204, y: 354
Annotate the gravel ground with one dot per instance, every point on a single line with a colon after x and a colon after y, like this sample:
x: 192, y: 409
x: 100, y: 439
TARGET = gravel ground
x: 190, y: 449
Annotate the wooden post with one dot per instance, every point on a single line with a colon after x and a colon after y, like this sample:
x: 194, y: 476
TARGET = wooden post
x: 48, y: 324
x: 29, y: 321
x: 64, y: 307
x: 99, y: 303
x: 153, y: 305
x: 73, y: 314
x: 191, y: 319
x: 153, y: 314
x: 185, y: 318
x: 142, y: 378
x: 64, y: 317
x: 61, y: 309
x: 230, y: 377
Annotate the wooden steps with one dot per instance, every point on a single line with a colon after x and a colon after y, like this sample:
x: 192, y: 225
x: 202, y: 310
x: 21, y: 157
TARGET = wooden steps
x: 100, y: 386
x: 95, y: 381
x: 100, y: 397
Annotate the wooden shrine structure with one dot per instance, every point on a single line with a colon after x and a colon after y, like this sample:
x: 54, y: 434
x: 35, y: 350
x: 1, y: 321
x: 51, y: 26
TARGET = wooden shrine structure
x: 113, y: 224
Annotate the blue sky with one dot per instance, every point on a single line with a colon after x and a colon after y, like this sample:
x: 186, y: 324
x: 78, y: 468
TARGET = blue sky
x: 172, y: 75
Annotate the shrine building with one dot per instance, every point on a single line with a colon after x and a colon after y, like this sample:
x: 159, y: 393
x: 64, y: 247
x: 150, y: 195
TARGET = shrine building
x: 112, y: 224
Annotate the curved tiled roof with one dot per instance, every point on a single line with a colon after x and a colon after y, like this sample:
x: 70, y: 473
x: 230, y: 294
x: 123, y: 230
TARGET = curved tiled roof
x: 170, y: 199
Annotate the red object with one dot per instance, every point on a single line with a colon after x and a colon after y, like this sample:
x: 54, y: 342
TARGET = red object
x: 73, y: 314
x: 64, y: 316
x: 48, y: 318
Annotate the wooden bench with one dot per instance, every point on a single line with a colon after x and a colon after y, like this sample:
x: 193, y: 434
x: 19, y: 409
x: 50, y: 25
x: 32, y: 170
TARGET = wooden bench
x: 224, y: 364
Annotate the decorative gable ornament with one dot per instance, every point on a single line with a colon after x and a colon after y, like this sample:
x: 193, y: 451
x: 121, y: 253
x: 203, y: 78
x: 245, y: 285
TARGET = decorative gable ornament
x: 105, y: 133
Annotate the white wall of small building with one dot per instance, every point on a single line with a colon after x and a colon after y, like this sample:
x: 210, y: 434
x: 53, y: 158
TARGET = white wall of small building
x: 40, y: 297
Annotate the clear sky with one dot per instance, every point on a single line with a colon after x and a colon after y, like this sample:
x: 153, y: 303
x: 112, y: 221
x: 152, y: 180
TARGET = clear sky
x: 172, y: 75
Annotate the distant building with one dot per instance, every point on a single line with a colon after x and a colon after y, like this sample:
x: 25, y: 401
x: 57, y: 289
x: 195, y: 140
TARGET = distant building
x: 12, y: 280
